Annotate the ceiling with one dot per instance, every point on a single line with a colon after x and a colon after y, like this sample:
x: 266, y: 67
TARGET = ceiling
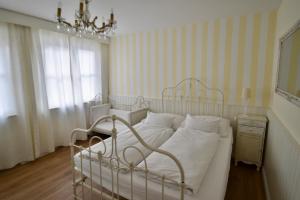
x: 140, y: 15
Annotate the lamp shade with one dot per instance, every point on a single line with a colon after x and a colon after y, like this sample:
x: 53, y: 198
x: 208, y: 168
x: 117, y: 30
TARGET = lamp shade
x: 246, y: 93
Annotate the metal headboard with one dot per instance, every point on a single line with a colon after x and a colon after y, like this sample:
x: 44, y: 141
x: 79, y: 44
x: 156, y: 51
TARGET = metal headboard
x: 193, y: 96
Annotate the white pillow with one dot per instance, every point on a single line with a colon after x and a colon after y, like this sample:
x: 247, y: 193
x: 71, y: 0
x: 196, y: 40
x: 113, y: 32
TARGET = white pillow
x: 203, y: 123
x: 159, y: 119
x: 224, y: 124
x: 177, y: 120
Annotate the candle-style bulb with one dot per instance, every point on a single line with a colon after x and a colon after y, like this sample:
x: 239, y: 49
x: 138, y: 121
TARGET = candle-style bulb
x: 81, y: 4
x: 59, y: 6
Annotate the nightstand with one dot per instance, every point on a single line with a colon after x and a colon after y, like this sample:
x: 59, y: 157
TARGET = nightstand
x: 251, y: 130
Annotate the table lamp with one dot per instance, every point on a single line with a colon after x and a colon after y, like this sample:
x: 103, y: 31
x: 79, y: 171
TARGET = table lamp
x: 246, y: 94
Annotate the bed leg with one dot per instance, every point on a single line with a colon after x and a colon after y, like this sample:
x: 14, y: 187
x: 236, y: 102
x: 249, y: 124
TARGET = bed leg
x: 257, y: 168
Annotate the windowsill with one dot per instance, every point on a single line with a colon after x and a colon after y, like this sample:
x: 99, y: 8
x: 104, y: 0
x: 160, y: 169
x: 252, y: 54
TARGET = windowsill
x: 68, y: 107
x: 9, y: 117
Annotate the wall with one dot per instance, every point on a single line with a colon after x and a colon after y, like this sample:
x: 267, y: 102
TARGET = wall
x: 282, y: 160
x: 228, y: 53
x: 288, y: 113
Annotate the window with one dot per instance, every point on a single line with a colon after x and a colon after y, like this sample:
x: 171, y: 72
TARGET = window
x: 72, y: 68
x: 58, y: 77
x: 7, y: 101
x: 87, y: 74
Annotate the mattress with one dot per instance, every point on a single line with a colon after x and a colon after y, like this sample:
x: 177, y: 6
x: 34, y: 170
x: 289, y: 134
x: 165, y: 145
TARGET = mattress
x: 213, y: 186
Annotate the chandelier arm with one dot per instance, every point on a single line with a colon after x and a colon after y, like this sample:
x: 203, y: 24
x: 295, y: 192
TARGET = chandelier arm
x: 67, y: 23
x: 94, y: 20
x: 95, y: 27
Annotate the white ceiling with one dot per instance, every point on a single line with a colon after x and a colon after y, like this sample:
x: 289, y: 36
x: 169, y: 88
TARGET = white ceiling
x: 138, y: 15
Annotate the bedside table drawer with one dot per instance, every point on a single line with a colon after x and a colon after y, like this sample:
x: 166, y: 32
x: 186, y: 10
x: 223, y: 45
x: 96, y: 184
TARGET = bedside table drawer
x: 249, y: 148
x: 252, y: 123
x: 251, y: 130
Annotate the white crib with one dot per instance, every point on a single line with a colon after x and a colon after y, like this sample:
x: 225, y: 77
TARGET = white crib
x: 132, y: 113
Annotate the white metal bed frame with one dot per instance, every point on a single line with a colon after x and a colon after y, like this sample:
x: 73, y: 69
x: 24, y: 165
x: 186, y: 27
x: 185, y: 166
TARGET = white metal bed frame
x: 193, y: 96
x: 185, y: 97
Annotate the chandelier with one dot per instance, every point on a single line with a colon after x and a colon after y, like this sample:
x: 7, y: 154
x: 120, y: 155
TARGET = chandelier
x: 83, y: 25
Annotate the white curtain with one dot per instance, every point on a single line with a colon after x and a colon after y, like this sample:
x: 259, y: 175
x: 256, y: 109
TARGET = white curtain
x: 46, y: 81
x: 15, y: 96
x: 105, y: 71
x: 57, y: 111
x: 67, y: 75
x: 86, y: 68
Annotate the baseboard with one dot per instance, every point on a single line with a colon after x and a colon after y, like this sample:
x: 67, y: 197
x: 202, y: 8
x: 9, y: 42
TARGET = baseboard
x: 266, y: 186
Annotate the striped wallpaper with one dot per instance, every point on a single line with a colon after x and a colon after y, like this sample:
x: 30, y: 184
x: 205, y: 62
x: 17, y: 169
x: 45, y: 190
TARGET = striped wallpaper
x: 229, y: 54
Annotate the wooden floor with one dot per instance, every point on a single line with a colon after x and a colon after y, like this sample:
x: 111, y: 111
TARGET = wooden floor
x: 50, y: 178
x: 245, y: 183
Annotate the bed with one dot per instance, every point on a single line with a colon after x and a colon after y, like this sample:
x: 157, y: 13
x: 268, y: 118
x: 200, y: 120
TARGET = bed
x: 115, y: 173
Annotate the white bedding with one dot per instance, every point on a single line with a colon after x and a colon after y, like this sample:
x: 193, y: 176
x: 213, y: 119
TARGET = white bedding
x: 213, y: 185
x: 193, y: 148
x: 154, y: 136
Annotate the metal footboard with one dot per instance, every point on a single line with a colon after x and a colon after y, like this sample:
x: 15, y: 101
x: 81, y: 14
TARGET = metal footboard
x: 115, y: 164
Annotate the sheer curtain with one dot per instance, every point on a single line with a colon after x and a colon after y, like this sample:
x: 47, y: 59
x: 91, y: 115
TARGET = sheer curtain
x: 86, y: 68
x: 46, y: 80
x: 59, y: 108
x: 15, y: 96
x: 67, y: 74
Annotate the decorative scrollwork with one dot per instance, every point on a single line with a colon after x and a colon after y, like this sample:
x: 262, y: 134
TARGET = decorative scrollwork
x: 192, y: 95
x: 114, y: 162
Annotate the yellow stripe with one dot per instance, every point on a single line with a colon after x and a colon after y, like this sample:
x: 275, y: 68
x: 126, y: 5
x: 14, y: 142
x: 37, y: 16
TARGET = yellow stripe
x: 193, y: 54
x: 174, y: 56
x: 183, y: 52
x: 294, y: 59
x: 127, y: 66
x: 149, y: 82
x: 240, y: 59
x: 165, y: 53
x: 227, y: 65
x: 156, y: 78
x: 112, y: 57
x: 121, y: 87
x: 141, y: 83
x: 204, y: 57
x: 134, y: 64
x: 255, y: 50
x: 215, y: 62
x: 269, y: 58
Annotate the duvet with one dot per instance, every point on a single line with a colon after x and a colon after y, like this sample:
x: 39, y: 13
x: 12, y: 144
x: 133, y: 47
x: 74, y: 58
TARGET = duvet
x: 194, y: 149
x: 152, y: 135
